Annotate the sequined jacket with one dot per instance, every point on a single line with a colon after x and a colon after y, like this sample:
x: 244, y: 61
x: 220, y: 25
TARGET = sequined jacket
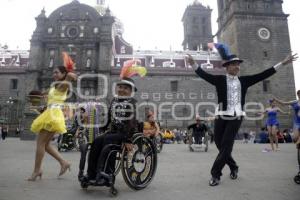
x: 122, y: 117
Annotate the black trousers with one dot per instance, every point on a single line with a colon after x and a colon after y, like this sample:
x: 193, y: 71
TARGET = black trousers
x: 97, y: 157
x: 198, y: 137
x: 224, y: 134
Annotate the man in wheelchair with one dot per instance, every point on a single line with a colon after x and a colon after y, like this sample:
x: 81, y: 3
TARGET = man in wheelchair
x: 198, y: 130
x: 121, y: 126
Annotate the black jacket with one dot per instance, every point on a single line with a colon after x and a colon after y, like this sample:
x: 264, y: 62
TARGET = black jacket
x: 219, y: 81
x: 202, y: 128
x: 122, y: 117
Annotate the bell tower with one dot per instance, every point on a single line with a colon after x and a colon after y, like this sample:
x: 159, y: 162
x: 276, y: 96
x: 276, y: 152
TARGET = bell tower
x: 197, y: 26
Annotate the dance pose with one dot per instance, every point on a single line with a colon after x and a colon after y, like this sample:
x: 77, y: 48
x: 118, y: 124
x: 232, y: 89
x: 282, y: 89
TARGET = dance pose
x: 231, y: 91
x: 295, y: 104
x: 51, y: 122
x: 272, y: 123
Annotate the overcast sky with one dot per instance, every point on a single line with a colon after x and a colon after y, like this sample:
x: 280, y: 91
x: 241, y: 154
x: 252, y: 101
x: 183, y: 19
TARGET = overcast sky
x: 147, y: 23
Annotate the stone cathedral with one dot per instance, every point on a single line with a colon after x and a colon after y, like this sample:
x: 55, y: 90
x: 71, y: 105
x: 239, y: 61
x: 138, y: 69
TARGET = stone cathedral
x: 256, y: 30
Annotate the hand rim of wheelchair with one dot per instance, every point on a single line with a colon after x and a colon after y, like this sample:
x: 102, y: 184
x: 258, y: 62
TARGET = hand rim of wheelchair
x: 139, y: 163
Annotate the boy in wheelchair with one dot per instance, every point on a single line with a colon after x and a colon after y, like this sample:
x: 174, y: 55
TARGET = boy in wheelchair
x: 121, y: 126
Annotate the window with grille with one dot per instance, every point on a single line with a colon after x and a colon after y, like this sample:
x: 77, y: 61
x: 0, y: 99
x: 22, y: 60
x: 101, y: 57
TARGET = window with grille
x: 266, y: 86
x: 14, y: 84
x: 174, y: 86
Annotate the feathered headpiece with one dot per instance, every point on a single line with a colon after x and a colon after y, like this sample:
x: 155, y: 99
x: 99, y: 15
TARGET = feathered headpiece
x: 224, y: 52
x: 131, y: 68
x: 68, y: 62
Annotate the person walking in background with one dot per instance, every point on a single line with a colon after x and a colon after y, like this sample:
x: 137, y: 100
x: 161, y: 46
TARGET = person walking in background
x: 4, y: 132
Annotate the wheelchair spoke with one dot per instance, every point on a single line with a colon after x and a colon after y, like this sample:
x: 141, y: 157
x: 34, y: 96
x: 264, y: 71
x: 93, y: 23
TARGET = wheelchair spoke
x: 138, y: 179
x: 130, y: 170
x: 140, y: 146
x: 149, y: 151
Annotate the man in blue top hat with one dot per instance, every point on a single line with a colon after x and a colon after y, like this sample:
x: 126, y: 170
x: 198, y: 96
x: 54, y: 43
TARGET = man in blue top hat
x: 231, y: 91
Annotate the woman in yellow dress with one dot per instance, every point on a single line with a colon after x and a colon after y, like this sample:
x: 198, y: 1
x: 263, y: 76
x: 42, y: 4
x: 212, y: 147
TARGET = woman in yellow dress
x: 51, y: 122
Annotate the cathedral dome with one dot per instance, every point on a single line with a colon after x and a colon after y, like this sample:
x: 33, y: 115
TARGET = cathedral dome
x: 74, y: 11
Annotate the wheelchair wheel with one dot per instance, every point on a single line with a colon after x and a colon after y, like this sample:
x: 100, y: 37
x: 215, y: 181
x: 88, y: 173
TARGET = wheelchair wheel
x: 139, y: 165
x: 159, y: 142
x: 113, y: 191
x: 190, y: 141
x: 84, y: 184
x: 297, y: 178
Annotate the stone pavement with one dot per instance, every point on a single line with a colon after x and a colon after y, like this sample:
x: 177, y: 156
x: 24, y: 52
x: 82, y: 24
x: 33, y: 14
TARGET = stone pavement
x: 180, y: 175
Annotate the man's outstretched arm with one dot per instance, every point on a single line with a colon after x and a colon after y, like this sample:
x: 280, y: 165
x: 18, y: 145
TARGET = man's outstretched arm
x: 253, y: 79
x: 200, y: 72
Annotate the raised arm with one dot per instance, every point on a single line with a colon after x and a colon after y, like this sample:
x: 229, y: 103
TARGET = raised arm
x: 200, y: 72
x: 282, y: 112
x: 284, y: 102
x: 64, y: 85
x: 253, y: 79
x: 263, y: 112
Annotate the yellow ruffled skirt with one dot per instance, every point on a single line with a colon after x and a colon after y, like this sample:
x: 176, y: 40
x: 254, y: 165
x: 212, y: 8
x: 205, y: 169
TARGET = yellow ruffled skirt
x: 52, y: 120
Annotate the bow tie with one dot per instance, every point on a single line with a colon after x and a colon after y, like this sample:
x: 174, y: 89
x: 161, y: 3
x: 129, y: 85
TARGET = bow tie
x: 232, y: 77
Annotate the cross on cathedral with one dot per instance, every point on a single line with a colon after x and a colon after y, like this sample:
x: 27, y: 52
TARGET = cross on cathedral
x: 100, y: 2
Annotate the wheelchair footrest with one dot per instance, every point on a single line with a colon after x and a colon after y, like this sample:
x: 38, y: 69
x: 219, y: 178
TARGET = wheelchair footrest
x: 93, y: 182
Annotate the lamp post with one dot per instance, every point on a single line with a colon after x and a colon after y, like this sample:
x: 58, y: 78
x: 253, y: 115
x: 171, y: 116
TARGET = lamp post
x: 9, y: 102
x: 147, y: 109
x: 184, y: 113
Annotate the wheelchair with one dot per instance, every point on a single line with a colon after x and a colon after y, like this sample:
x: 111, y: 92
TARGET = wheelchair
x: 138, y: 166
x: 66, y: 142
x: 297, y: 177
x: 197, y: 147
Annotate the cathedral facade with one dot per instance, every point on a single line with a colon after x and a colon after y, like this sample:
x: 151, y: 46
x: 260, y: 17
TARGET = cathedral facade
x: 255, y: 30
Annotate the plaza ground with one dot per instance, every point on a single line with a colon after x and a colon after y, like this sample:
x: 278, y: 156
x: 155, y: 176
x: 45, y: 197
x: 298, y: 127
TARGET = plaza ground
x: 180, y: 175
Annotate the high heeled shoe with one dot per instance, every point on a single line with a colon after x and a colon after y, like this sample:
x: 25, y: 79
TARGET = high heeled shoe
x: 64, y: 169
x: 34, y: 176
